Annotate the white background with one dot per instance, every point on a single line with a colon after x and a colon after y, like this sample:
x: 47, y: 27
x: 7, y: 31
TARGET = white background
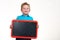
x: 46, y: 12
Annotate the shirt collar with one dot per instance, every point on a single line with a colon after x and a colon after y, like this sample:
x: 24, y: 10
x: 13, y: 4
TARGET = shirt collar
x: 25, y: 15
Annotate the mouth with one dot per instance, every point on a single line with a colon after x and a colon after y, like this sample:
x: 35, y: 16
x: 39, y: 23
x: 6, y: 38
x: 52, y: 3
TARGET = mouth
x: 25, y: 11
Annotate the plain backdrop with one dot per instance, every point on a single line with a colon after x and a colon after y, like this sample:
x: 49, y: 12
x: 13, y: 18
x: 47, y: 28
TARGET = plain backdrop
x: 46, y: 12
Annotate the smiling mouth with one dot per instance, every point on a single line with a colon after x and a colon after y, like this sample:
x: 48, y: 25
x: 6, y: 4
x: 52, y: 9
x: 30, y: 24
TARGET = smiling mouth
x: 25, y: 11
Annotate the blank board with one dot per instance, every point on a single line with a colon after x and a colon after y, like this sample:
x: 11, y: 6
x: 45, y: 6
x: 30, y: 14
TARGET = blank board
x: 24, y: 29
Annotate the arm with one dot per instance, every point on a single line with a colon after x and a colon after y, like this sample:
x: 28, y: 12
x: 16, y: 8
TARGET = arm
x: 11, y: 24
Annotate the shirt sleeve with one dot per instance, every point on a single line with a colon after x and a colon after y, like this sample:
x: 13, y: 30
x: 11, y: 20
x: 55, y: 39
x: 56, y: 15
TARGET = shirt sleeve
x: 31, y: 18
x: 17, y: 18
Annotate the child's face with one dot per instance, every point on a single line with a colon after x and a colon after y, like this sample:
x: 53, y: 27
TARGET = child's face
x: 25, y: 9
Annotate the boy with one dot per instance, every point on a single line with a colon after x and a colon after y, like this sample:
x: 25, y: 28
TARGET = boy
x: 25, y: 9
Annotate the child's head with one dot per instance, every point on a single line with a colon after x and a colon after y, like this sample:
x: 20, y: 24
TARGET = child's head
x: 25, y: 8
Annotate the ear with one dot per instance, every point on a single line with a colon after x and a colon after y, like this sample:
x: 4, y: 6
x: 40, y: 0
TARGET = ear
x: 21, y: 9
x: 29, y: 9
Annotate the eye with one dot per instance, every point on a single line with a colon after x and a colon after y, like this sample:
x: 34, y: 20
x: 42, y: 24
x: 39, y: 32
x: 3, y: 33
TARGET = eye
x: 23, y: 8
x: 27, y: 8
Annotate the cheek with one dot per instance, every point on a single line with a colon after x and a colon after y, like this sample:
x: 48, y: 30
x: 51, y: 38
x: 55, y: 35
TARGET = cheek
x: 28, y: 10
x: 22, y: 10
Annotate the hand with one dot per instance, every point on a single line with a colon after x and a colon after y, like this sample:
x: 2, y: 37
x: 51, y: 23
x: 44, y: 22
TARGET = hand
x: 37, y: 26
x: 11, y: 26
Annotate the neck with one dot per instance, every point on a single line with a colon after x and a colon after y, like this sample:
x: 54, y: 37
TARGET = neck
x: 25, y: 14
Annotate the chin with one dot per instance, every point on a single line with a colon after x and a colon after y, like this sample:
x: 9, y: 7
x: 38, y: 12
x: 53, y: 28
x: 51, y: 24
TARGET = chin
x: 26, y: 13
